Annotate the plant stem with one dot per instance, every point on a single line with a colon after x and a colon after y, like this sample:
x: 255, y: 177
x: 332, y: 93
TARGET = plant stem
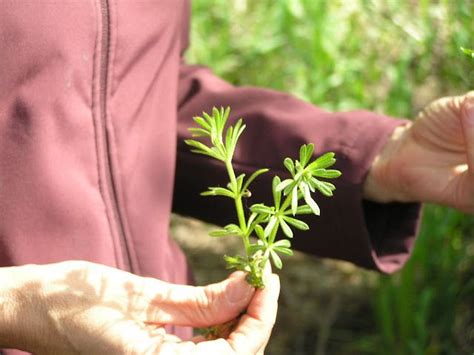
x: 238, y: 205
x: 286, y: 203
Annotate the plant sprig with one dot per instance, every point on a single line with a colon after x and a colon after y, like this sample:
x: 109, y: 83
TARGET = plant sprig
x: 291, y: 197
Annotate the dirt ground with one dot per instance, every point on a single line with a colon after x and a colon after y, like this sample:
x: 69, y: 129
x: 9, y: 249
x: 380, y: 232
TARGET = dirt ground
x: 324, y: 306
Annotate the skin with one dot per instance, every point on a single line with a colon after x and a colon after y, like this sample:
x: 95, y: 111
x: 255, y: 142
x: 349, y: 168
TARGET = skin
x: 78, y: 307
x: 430, y: 160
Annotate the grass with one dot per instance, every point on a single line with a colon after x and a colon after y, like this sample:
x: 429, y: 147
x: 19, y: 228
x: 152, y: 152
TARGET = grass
x: 387, y: 56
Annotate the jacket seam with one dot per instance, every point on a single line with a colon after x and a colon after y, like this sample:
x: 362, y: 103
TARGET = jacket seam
x: 96, y: 133
x: 121, y: 205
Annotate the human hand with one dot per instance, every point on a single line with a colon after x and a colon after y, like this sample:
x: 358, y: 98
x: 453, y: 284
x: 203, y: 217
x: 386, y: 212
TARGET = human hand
x: 81, y: 307
x: 430, y: 160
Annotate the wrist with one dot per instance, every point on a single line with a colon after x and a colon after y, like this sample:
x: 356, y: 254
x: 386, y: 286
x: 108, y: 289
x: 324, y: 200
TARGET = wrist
x: 382, y: 182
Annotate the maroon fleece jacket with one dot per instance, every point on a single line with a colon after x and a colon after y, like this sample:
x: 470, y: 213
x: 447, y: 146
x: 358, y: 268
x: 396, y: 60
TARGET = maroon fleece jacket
x: 95, y: 101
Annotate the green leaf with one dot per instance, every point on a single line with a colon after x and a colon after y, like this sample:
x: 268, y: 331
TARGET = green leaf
x: 283, y: 246
x: 276, y: 194
x: 326, y: 188
x: 306, y: 152
x: 236, y: 262
x: 271, y: 224
x: 275, y: 182
x: 198, y: 145
x: 255, y: 248
x: 225, y: 113
x: 240, y: 181
x: 285, y: 243
x: 233, y: 134
x: 203, y: 123
x: 302, y: 153
x: 228, y: 230
x: 229, y: 146
x: 251, y: 219
x: 220, y: 233
x: 305, y: 209
x: 219, y: 119
x: 304, y: 188
x: 296, y: 223
x: 285, y: 251
x: 284, y: 184
x: 260, y: 232
x: 204, y: 149
x: 289, y: 165
x: 218, y: 191
x: 326, y: 173
x: 238, y: 130
x: 286, y: 228
x: 324, y: 161
x: 276, y: 260
x: 214, y: 130
x: 288, y: 189
x: 311, y: 203
x: 261, y: 208
x: 198, y: 132
x: 253, y: 177
x: 210, y: 120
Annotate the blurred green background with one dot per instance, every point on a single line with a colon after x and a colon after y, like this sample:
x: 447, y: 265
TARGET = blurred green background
x: 388, y: 56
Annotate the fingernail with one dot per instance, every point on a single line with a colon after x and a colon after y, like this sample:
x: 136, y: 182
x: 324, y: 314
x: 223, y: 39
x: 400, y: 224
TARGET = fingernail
x: 238, y: 290
x: 275, y: 280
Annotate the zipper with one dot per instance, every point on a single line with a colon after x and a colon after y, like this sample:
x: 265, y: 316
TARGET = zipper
x: 110, y: 184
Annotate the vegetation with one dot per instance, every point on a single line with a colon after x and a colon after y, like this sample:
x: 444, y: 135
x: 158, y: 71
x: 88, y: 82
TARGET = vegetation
x: 386, y: 56
x: 264, y: 221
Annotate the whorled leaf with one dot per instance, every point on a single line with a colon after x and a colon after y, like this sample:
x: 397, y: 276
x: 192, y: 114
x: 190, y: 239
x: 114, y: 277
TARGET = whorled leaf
x: 276, y: 260
x: 324, y: 161
x: 306, y: 152
x: 285, y: 228
x: 218, y: 191
x: 228, y: 230
x: 296, y: 223
x: 270, y: 225
x: 262, y: 209
x: 326, y: 173
x: 290, y: 165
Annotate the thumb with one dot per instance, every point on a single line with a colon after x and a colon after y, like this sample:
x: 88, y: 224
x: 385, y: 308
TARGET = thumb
x: 202, y: 306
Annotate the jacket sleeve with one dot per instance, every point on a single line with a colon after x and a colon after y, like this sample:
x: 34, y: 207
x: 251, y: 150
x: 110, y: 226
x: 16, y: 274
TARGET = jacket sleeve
x: 371, y: 235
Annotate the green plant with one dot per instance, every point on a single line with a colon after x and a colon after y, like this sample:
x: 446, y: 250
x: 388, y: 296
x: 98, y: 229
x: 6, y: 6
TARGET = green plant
x: 263, y: 221
x: 468, y: 52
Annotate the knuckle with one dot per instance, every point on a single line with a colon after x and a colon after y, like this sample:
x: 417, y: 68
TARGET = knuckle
x: 204, y: 301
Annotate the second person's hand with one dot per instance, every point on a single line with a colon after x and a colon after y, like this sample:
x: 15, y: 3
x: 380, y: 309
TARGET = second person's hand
x: 431, y: 159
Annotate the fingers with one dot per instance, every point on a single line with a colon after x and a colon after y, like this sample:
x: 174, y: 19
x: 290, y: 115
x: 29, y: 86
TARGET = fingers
x: 254, y: 329
x: 215, y: 304
x: 467, y: 120
x: 200, y: 306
